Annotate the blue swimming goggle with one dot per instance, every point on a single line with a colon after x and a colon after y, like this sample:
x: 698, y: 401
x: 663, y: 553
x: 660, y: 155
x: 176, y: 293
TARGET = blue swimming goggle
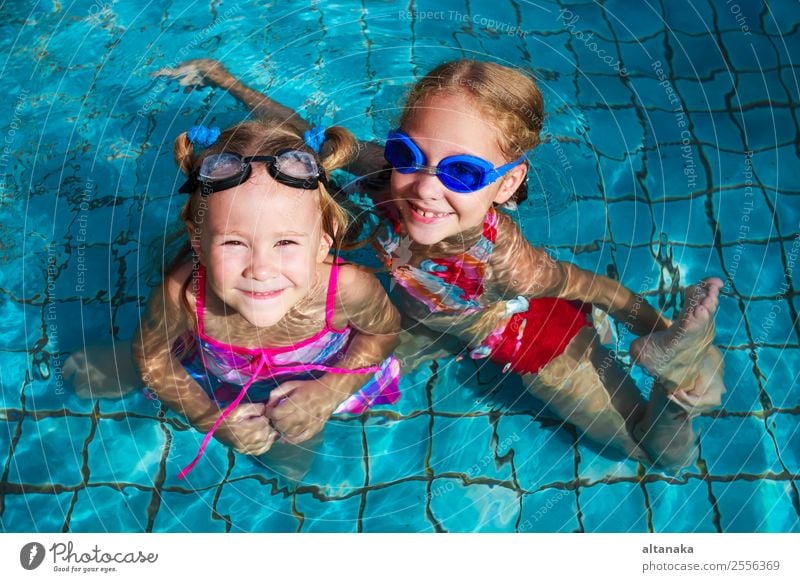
x: 462, y: 173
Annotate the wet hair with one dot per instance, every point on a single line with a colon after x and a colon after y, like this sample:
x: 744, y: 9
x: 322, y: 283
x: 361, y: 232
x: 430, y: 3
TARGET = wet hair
x: 262, y: 137
x: 508, y: 97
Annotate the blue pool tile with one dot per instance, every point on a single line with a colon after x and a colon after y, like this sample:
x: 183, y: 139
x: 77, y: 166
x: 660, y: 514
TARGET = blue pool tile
x: 669, y: 172
x: 338, y: 468
x: 615, y: 132
x: 704, y: 94
x: 398, y: 508
x: 779, y: 368
x: 774, y: 166
x: 758, y: 51
x: 35, y: 512
x: 105, y: 509
x: 328, y: 516
x: 630, y: 222
x: 742, y: 391
x: 549, y: 511
x: 14, y: 366
x: 50, y: 451
x: 788, y: 216
x: 208, y: 472
x: 613, y: 508
x: 738, y: 445
x: 685, y: 50
x: 730, y: 324
x: 549, y: 53
x: 187, y: 512
x: 583, y: 223
x: 604, y: 91
x: 473, y: 508
x: 712, y: 131
x: 697, y: 263
x: 743, y: 214
x: 252, y: 507
x: 637, y: 268
x: 600, y: 462
x: 463, y: 445
x: 770, y: 321
x: 786, y: 428
x: 681, y: 507
x: 21, y: 325
x: 683, y: 220
x: 760, y: 506
x: 397, y: 449
x: 542, y: 454
x: 134, y: 402
x: 639, y: 57
x: 127, y: 451
x: 688, y: 18
x: 755, y: 268
x: 767, y: 126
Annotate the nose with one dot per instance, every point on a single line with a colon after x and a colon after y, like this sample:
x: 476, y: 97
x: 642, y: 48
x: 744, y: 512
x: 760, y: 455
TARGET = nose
x: 427, y: 184
x: 263, y: 265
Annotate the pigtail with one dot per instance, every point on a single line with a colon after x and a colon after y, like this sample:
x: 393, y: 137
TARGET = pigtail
x: 339, y: 149
x: 183, y: 150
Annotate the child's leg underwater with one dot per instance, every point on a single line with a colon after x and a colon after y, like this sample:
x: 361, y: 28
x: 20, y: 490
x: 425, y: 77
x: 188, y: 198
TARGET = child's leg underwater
x: 586, y: 387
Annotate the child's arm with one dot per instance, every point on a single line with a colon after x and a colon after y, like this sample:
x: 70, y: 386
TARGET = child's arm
x: 520, y: 269
x: 364, y: 305
x: 368, y: 161
x: 246, y: 428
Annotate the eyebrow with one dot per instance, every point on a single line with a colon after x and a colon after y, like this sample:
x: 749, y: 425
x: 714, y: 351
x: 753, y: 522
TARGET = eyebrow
x: 245, y: 235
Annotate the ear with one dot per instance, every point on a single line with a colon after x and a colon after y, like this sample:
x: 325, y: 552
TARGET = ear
x: 194, y: 239
x: 510, y: 182
x: 325, y: 244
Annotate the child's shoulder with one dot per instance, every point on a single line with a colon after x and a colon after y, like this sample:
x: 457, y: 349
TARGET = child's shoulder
x: 351, y: 276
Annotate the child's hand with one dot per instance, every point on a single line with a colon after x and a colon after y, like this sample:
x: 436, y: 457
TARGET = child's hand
x: 247, y: 430
x: 194, y: 73
x: 299, y: 409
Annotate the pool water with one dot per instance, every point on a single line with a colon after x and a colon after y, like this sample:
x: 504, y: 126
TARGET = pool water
x: 669, y: 153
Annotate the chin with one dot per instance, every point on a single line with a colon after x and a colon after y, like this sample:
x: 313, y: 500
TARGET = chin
x: 264, y: 320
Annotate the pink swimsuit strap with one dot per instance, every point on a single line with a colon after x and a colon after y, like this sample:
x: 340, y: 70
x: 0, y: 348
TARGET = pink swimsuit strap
x: 263, y: 355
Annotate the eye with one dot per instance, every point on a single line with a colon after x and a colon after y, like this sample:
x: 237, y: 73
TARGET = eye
x: 285, y: 243
x: 233, y: 243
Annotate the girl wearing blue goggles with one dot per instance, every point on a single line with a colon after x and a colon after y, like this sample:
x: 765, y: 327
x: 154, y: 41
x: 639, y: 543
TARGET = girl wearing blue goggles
x: 462, y: 173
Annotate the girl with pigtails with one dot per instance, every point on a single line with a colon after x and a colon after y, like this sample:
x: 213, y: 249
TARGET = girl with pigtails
x: 259, y: 331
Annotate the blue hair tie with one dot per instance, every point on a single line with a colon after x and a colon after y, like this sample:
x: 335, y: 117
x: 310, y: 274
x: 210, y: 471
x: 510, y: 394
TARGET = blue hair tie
x: 314, y: 138
x: 203, y: 136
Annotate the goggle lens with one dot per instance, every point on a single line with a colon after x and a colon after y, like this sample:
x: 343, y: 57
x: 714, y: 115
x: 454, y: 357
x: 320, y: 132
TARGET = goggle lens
x: 221, y: 167
x: 298, y: 165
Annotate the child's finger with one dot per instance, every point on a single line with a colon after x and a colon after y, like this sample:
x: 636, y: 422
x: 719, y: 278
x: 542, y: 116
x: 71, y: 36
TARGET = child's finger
x: 281, y: 393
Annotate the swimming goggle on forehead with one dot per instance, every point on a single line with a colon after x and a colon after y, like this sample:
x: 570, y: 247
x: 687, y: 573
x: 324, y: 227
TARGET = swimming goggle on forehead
x: 227, y: 169
x: 462, y: 173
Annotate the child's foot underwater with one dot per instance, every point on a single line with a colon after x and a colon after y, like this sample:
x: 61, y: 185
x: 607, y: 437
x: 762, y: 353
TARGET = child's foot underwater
x: 682, y: 358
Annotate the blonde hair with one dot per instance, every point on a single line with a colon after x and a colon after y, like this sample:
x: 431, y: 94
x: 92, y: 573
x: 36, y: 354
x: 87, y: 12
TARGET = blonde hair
x: 257, y: 138
x: 508, y: 97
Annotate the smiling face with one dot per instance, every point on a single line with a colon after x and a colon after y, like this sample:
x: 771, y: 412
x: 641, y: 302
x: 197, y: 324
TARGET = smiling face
x: 444, y: 126
x: 261, y: 244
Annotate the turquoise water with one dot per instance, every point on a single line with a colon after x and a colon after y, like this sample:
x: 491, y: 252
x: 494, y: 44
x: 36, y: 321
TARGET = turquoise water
x: 644, y: 176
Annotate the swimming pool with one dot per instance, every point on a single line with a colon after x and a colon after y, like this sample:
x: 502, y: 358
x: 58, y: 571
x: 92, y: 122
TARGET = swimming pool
x: 670, y: 152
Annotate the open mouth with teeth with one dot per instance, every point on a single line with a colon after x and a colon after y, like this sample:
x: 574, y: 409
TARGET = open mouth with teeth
x: 263, y: 295
x: 427, y: 214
